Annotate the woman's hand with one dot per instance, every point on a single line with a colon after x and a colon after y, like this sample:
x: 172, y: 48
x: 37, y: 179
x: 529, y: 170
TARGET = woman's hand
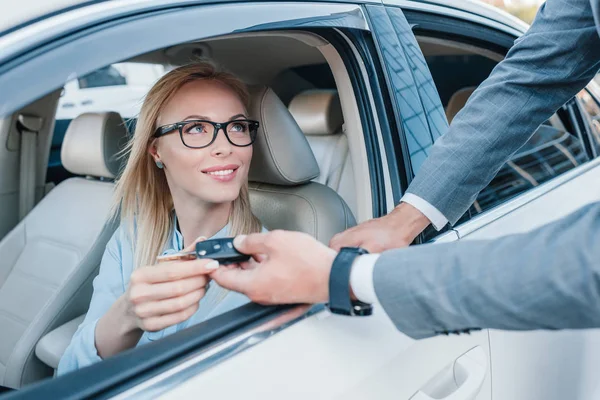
x: 158, y: 296
x: 166, y: 294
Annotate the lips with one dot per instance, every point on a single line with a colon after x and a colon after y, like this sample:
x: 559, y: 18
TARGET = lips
x: 223, y: 173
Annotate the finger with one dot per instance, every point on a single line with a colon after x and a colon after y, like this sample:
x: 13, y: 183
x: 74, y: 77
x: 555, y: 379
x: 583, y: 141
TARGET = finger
x: 236, y: 279
x: 250, y: 264
x: 348, y: 238
x: 166, y: 290
x: 193, y: 245
x: 254, y: 243
x: 154, y: 324
x: 169, y: 306
x: 259, y: 257
x: 173, y: 271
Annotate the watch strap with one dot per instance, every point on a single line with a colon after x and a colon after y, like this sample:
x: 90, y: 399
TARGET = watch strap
x: 340, y: 301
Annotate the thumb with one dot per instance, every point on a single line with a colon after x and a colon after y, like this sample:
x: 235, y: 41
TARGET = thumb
x: 252, y: 244
x: 236, y: 279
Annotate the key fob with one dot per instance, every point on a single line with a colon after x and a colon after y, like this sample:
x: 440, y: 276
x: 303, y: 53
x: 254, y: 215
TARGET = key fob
x: 221, y: 250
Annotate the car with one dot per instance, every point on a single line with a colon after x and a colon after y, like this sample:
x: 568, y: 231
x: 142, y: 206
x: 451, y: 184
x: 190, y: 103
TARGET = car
x: 386, y: 77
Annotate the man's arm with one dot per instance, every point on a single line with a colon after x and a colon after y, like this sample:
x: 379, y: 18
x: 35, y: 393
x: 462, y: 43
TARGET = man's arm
x: 548, y: 65
x: 545, y: 279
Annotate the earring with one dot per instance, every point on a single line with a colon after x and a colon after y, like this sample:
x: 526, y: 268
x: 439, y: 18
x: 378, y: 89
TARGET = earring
x: 159, y: 164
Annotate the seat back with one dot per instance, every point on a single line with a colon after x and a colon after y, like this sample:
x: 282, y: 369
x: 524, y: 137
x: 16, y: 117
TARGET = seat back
x: 283, y: 165
x: 318, y: 113
x: 457, y: 101
x: 51, y: 257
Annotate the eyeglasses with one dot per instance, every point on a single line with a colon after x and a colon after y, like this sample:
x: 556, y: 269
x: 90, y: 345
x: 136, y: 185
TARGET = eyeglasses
x: 197, y: 134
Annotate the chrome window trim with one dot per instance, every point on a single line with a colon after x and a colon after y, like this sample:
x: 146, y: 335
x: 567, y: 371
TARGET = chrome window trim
x: 452, y: 8
x: 218, y: 353
x: 449, y: 236
x: 500, y: 211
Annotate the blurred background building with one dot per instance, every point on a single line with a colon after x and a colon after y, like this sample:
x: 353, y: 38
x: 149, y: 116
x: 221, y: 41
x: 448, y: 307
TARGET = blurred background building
x: 523, y: 9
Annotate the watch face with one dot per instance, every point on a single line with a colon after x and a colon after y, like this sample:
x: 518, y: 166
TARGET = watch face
x: 361, y: 309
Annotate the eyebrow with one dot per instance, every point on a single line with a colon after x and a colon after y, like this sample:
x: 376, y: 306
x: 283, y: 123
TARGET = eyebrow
x: 208, y: 119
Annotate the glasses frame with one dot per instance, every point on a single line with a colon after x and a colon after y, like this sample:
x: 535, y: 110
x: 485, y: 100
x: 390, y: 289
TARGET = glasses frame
x: 166, y: 129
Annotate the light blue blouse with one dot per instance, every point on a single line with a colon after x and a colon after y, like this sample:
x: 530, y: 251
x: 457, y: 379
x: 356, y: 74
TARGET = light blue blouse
x: 112, y: 281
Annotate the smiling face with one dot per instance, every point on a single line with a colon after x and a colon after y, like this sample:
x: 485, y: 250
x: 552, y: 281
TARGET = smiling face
x: 213, y: 174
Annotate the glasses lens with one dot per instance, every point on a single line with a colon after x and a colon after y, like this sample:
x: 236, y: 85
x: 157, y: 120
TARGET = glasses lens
x: 242, y: 133
x: 197, y: 133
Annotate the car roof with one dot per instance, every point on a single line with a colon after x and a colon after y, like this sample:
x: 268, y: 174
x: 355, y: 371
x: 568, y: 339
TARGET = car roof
x: 30, y: 11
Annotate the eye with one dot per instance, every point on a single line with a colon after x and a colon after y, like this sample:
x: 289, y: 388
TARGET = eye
x: 196, y: 128
x: 238, y: 128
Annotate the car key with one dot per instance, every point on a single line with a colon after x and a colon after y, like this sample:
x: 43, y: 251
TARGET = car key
x: 221, y: 250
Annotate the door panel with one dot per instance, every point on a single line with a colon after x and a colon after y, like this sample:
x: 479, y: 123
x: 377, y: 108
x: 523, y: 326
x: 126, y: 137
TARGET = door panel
x: 334, y: 357
x: 565, y: 361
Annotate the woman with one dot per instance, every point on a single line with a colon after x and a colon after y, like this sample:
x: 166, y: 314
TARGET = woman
x: 186, y: 179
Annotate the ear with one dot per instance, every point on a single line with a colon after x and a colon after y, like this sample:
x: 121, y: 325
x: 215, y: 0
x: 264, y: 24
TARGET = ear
x: 153, y: 149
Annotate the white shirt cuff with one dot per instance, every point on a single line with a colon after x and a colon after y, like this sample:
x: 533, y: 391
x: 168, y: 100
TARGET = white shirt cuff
x: 433, y: 214
x: 361, y: 278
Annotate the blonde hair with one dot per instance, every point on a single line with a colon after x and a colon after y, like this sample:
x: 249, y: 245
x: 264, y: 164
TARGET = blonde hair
x: 142, y: 196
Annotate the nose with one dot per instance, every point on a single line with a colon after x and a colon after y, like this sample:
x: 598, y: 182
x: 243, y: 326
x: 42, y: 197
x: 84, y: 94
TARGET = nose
x: 221, y: 146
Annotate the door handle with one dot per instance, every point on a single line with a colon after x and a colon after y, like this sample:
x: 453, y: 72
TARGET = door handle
x: 462, y: 380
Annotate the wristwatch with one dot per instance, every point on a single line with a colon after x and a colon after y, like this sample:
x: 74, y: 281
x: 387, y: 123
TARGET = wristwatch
x: 340, y: 301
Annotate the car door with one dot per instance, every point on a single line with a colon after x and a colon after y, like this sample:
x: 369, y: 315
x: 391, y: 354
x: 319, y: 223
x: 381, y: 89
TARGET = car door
x: 269, y: 352
x: 551, y: 176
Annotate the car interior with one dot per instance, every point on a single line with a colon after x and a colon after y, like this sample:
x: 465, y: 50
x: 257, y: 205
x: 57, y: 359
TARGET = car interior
x: 309, y: 173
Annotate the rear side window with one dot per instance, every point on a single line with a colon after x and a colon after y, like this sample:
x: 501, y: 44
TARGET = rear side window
x: 118, y: 87
x: 551, y: 151
x: 107, y: 76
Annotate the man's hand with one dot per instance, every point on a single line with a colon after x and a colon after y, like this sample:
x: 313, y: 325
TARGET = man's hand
x: 287, y: 268
x: 397, y: 229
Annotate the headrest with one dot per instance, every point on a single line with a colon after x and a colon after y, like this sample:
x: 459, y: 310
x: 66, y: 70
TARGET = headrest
x: 458, y: 101
x: 91, y: 144
x: 318, y: 112
x: 282, y: 155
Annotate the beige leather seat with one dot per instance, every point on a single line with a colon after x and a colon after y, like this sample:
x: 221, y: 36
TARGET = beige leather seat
x: 319, y: 115
x: 50, y: 258
x: 282, y: 192
x: 458, y: 101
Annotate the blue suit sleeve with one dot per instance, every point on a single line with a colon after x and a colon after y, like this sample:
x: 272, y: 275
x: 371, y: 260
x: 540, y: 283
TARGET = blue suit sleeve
x: 548, y: 278
x: 547, y: 66
x: 108, y: 286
